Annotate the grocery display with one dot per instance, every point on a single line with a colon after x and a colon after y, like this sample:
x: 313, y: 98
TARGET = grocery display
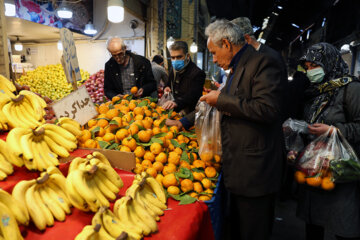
x: 49, y: 81
x: 95, y: 87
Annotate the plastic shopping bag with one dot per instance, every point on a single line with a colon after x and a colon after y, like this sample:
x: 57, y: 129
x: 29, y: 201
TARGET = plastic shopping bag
x: 329, y: 159
x: 293, y: 133
x: 207, y: 129
x: 166, y: 97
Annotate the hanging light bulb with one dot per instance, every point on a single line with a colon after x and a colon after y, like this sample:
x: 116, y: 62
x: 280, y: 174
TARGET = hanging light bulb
x: 64, y: 12
x: 10, y: 9
x: 115, y: 11
x: 18, y: 45
x: 170, y: 41
x: 193, y: 48
x: 59, y: 45
x: 89, y: 29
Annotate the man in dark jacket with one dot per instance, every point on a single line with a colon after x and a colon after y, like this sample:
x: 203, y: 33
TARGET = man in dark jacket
x: 186, y: 81
x: 125, y: 70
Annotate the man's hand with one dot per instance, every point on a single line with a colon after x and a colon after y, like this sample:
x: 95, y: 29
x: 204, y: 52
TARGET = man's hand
x: 319, y: 129
x: 167, y: 89
x: 177, y: 123
x: 169, y: 105
x: 139, y: 93
x: 211, y: 98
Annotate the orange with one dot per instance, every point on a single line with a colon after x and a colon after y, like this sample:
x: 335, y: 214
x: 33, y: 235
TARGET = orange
x: 139, y: 152
x: 103, y: 108
x: 115, y: 99
x: 121, y: 134
x: 91, y: 123
x: 139, y: 168
x: 327, y: 184
x: 155, y: 115
x: 198, y: 176
x: 174, y: 129
x: 101, y: 132
x: 153, y: 105
x: 139, y: 111
x: 206, y: 156
x: 178, y: 150
x: 193, y: 194
x: 217, y: 158
x: 162, y: 158
x: 144, y: 136
x: 314, y: 181
x: 152, y: 171
x: 90, y: 143
x: 118, y: 120
x: 139, y: 122
x: 147, y: 124
x: 112, y: 113
x: 124, y: 109
x: 204, y: 198
x: 209, y: 191
x: 159, y: 178
x: 198, y: 187
x: 156, y: 130
x: 157, y: 122
x: 173, y: 190
x: 206, y: 183
x: 85, y: 135
x: 180, y: 138
x: 139, y: 117
x: 300, y: 177
x: 148, y: 113
x: 199, y: 164
x: 193, y: 144
x: 169, y: 135
x: 187, y: 185
x: 109, y: 137
x: 102, y: 123
x: 125, y: 149
x: 134, y: 90
x: 164, y: 129
x: 158, y: 166
x: 168, y: 169
x: 149, y: 156
x: 185, y: 164
x: 146, y: 163
x: 210, y: 172
x: 133, y: 129
x: 174, y: 158
x: 132, y: 105
x: 166, y: 143
x: 171, y: 147
x: 137, y: 160
x: 169, y: 180
x: 156, y: 148
x: 131, y: 143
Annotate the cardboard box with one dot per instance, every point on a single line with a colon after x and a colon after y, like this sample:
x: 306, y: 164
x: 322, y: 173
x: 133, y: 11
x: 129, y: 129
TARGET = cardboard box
x: 117, y: 159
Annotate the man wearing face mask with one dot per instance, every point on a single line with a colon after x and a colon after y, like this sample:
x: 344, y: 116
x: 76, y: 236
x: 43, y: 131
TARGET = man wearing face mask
x: 186, y: 81
x: 125, y: 70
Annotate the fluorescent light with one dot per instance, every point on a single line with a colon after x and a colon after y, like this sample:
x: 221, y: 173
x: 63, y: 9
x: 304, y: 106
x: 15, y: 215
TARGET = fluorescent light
x: 89, y: 29
x: 294, y: 25
x: 170, y: 41
x: 263, y: 41
x: 290, y: 78
x: 115, y: 11
x: 18, y: 45
x: 59, y: 45
x: 345, y: 48
x: 193, y: 47
x: 279, y: 7
x: 323, y: 22
x: 64, y: 12
x: 10, y: 10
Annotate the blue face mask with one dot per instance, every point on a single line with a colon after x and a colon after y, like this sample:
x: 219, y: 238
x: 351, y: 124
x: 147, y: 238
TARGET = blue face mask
x: 178, y: 64
x: 315, y: 75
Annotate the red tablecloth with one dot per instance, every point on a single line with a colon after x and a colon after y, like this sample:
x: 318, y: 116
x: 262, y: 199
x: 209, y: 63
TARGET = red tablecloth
x: 180, y: 222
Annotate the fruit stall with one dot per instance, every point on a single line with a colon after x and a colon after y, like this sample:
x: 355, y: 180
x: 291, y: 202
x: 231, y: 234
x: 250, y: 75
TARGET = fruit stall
x: 163, y: 196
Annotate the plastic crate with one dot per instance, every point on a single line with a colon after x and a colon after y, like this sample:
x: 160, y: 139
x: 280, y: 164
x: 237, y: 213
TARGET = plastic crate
x: 215, y: 208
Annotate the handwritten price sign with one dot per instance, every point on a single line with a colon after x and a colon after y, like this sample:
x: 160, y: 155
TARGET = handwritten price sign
x: 77, y: 105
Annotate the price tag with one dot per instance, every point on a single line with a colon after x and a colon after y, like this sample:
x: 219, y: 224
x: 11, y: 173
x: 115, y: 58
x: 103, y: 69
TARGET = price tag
x: 77, y: 105
x: 69, y: 59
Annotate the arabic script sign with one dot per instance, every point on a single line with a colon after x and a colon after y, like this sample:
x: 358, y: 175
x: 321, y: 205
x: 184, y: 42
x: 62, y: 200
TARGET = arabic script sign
x: 77, y: 105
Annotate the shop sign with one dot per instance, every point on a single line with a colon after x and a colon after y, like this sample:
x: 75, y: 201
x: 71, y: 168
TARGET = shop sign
x: 77, y: 105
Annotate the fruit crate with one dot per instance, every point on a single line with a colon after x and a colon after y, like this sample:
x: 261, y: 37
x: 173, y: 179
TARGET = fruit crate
x: 215, y: 208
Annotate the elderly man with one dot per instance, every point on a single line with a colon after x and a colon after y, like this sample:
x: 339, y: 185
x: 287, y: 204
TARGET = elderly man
x: 125, y: 70
x: 251, y: 133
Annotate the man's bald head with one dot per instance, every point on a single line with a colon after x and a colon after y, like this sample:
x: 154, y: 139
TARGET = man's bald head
x: 117, y: 49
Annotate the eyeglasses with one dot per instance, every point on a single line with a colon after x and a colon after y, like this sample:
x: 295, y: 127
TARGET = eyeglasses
x: 119, y: 55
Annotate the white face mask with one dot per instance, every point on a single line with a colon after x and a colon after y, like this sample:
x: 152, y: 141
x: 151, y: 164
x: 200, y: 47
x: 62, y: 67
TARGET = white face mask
x: 315, y: 75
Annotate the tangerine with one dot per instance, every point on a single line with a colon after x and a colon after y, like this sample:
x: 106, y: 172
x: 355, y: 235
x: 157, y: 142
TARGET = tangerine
x: 300, y: 177
x: 327, y: 184
x: 169, y: 180
x: 314, y: 181
x: 173, y: 190
x: 149, y: 156
x: 187, y: 185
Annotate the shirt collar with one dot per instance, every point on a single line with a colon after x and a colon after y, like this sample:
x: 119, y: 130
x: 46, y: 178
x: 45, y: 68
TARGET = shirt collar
x: 237, y: 57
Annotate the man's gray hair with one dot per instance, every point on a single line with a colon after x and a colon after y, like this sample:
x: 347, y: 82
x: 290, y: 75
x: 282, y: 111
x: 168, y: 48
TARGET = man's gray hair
x: 224, y: 29
x: 179, y: 45
x: 115, y: 39
x: 244, y: 24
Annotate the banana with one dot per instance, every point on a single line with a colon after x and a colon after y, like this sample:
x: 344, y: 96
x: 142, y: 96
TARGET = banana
x: 82, y: 186
x: 7, y: 83
x: 20, y: 189
x: 26, y: 146
x: 89, y: 232
x: 38, y: 104
x: 10, y: 156
x: 58, y: 149
x: 3, y: 175
x: 8, y: 225
x: 149, y: 205
x: 147, y: 193
x: 38, y: 160
x: 133, y: 192
x: 49, y: 218
x: 13, y: 140
x: 58, y: 197
x: 101, y: 157
x: 49, y: 156
x: 104, y: 189
x: 5, y: 166
x: 35, y: 211
x: 22, y: 110
x: 156, y: 188
x: 60, y: 140
x: 23, y: 117
x: 72, y: 129
x: 5, y: 92
x: 73, y: 195
x: 110, y: 185
x: 100, y: 197
x: 75, y: 163
x: 64, y: 120
x: 17, y: 208
x: 12, y: 119
x: 111, y: 174
x: 53, y: 170
x: 135, y: 220
x: 53, y: 206
x: 59, y: 131
x: 97, y: 219
x: 143, y: 214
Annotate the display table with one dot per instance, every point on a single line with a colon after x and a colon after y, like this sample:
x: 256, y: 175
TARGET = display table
x: 180, y: 222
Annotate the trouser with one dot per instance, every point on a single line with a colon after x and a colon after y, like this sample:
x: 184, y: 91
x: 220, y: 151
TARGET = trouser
x: 315, y: 232
x: 249, y: 218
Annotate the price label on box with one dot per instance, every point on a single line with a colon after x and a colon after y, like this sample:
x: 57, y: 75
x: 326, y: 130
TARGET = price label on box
x: 77, y: 105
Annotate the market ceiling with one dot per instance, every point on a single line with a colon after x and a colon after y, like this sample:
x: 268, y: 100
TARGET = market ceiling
x: 342, y: 18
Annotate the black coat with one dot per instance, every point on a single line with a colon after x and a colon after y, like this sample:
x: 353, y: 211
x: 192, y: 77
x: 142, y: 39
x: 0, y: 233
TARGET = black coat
x: 142, y: 72
x: 187, y: 87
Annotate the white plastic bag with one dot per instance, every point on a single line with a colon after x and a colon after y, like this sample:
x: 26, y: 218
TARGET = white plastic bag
x: 166, y: 97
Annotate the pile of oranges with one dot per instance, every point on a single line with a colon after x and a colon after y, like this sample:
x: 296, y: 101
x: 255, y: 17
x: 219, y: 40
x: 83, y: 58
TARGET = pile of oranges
x: 322, y: 179
x: 170, y: 156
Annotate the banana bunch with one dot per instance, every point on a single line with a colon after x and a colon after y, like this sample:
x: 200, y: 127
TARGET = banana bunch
x: 5, y: 162
x: 105, y: 225
x: 71, y: 125
x: 45, y: 198
x: 144, y: 202
x: 25, y: 110
x: 92, y: 182
x: 12, y: 213
x: 7, y: 88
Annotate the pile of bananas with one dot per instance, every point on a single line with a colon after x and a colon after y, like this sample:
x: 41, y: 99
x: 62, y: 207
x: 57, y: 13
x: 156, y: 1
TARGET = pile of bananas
x: 39, y: 149
x: 6, y: 167
x: 45, y: 198
x: 7, y: 88
x: 50, y: 81
x: 12, y: 213
x: 91, y: 182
